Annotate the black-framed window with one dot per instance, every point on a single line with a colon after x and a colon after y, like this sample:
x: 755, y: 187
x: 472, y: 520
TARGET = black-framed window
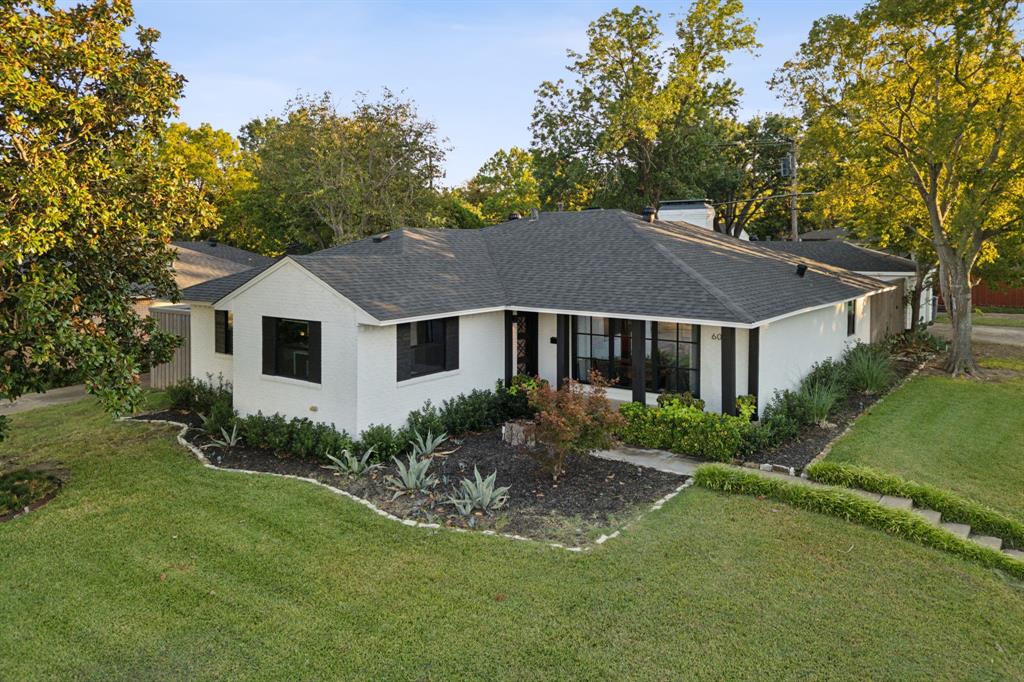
x: 427, y: 347
x: 223, y: 332
x: 671, y: 353
x: 851, y: 318
x: 291, y: 348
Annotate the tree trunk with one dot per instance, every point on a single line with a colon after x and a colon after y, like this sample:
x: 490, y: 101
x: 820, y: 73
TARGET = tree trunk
x: 956, y: 291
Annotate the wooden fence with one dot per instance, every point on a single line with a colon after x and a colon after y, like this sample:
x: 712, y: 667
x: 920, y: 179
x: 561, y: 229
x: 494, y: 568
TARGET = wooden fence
x: 173, y: 319
x: 887, y: 313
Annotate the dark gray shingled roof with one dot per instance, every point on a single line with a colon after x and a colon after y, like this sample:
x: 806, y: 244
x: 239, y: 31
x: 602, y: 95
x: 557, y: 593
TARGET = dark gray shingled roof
x: 602, y: 261
x: 845, y: 255
x: 213, y: 290
x: 230, y: 253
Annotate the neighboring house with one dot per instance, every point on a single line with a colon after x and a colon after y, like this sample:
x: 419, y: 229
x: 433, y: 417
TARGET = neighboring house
x: 697, y: 212
x: 195, y: 262
x: 891, y: 312
x: 363, y: 333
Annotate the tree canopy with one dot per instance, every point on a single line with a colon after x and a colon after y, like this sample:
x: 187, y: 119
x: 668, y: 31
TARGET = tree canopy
x: 924, y: 105
x: 505, y: 184
x: 86, y: 206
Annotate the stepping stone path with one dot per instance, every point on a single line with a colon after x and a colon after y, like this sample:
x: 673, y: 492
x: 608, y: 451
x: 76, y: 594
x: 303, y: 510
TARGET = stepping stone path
x: 667, y: 461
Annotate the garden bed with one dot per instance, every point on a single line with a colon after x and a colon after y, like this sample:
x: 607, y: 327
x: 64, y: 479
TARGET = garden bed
x: 813, y: 439
x: 24, y: 490
x: 592, y: 497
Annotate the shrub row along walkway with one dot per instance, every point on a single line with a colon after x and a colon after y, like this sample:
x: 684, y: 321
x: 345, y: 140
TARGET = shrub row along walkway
x: 680, y: 464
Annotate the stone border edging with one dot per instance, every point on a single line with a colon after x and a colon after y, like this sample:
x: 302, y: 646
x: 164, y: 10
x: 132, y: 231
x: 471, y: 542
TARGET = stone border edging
x: 658, y: 504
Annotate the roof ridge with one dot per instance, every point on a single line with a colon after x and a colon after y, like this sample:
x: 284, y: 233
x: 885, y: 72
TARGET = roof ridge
x: 708, y: 286
x: 494, y: 266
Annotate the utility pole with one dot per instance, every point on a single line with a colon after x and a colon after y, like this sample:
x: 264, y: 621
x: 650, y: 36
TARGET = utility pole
x: 796, y: 188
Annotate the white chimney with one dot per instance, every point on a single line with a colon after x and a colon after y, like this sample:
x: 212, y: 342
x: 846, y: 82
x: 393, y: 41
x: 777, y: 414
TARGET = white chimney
x: 697, y: 212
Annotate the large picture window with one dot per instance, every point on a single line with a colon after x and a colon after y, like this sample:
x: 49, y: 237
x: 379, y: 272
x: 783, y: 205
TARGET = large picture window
x: 223, y: 332
x: 671, y: 353
x: 291, y: 348
x: 427, y: 347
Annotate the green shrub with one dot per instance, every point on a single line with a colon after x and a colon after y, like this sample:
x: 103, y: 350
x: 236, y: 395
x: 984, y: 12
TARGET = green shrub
x: 476, y: 411
x: 746, y: 406
x: 868, y: 369
x: 825, y: 373
x: 953, y: 508
x: 385, y: 441
x: 686, y: 429
x: 686, y: 399
x: 514, y: 401
x: 221, y: 415
x: 849, y: 506
x: 297, y: 437
x: 198, y: 395
x: 821, y: 399
x: 425, y: 419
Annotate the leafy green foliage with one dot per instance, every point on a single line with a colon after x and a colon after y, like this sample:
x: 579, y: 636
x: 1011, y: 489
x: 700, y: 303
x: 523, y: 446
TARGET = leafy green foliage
x: 571, y: 421
x: 868, y: 369
x: 324, y: 177
x: 680, y: 427
x: 953, y: 508
x: 505, y: 184
x: 22, y: 487
x: 301, y: 438
x: 820, y: 399
x: 198, y: 395
x: 348, y: 464
x: 920, y: 106
x: 87, y: 205
x: 384, y: 441
x: 413, y: 475
x: 851, y: 507
x: 480, y: 493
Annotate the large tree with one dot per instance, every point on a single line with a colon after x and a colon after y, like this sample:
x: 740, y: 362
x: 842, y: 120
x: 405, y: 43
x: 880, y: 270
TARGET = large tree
x: 220, y: 172
x: 505, y: 184
x: 927, y: 100
x: 603, y: 136
x: 86, y: 207
x: 324, y: 177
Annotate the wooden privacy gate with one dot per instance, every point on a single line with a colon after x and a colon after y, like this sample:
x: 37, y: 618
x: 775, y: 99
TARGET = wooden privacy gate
x: 887, y: 312
x: 173, y: 319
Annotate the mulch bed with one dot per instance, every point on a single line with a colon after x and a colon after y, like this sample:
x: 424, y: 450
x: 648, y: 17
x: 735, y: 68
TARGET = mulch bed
x: 811, y: 440
x: 593, y: 495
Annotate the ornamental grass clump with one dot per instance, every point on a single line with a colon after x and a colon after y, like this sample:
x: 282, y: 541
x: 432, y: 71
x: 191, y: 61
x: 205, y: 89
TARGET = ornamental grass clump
x: 572, y: 421
x: 868, y: 369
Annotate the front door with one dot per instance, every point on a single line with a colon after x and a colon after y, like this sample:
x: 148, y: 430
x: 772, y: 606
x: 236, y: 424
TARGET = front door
x: 526, y: 343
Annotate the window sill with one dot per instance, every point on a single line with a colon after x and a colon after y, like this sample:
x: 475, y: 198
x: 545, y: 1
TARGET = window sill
x: 224, y: 355
x: 428, y: 377
x: 290, y: 381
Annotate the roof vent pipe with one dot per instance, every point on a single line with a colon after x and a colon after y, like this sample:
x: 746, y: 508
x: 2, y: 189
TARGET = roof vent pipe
x: 650, y: 214
x: 534, y: 215
x: 514, y: 215
x: 801, y: 270
x: 381, y: 238
x: 212, y: 241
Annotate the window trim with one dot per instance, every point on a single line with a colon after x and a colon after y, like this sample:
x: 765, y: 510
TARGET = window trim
x: 620, y: 327
x: 314, y: 350
x: 405, y: 351
x: 225, y: 345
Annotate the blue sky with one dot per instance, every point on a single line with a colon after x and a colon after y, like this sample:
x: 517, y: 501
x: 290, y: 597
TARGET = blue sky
x: 472, y: 67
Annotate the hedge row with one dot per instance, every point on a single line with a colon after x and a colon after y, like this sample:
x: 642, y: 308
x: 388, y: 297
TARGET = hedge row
x: 849, y: 506
x: 684, y: 427
x: 952, y: 507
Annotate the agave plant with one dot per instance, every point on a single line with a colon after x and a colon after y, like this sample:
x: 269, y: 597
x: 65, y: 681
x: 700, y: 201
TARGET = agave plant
x: 227, y: 440
x: 413, y: 476
x: 480, y: 493
x: 349, y: 464
x: 424, y: 446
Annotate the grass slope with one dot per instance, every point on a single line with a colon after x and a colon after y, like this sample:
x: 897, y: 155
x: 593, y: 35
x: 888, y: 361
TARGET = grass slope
x: 148, y: 565
x: 963, y: 435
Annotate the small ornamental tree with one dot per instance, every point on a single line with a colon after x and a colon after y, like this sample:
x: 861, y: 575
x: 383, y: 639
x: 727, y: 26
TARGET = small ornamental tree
x: 573, y: 420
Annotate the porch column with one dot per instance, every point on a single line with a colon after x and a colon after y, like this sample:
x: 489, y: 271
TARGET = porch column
x: 637, y: 359
x: 509, y: 348
x: 562, y: 349
x: 729, y: 370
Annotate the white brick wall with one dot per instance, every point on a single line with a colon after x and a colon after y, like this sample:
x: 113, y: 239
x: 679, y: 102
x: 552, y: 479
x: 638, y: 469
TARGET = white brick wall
x: 790, y: 347
x: 203, y: 359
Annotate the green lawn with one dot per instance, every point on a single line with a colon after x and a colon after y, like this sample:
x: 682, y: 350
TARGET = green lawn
x: 983, y: 321
x: 148, y: 565
x: 963, y: 435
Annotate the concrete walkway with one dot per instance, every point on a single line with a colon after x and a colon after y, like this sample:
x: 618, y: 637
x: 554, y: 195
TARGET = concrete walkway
x: 687, y: 466
x: 1007, y: 336
x: 56, y: 396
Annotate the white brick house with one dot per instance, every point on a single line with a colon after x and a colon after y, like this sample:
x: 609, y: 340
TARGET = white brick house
x: 364, y: 333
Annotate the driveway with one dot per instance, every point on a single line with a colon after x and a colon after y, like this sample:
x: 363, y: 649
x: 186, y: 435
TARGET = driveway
x: 56, y: 396
x: 1007, y: 336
